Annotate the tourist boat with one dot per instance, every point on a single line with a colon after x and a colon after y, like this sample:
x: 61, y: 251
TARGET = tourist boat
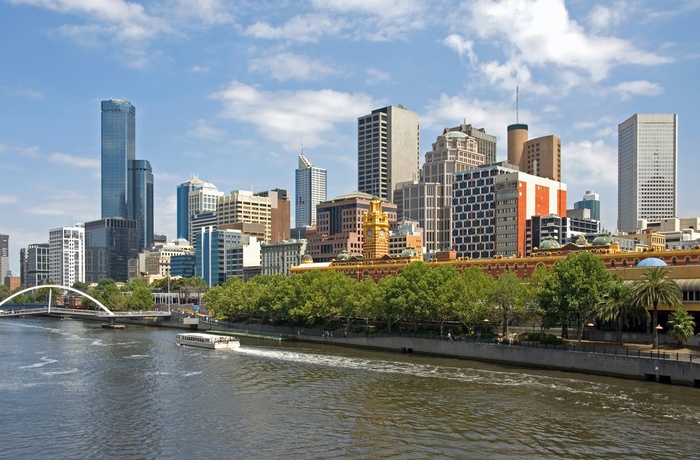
x: 202, y: 340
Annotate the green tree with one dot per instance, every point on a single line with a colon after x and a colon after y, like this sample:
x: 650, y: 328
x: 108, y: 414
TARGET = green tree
x: 533, y: 287
x: 421, y: 283
x: 576, y: 286
x: 655, y: 288
x: 475, y: 305
x: 393, y: 299
x: 449, y: 295
x: 4, y: 292
x: 141, y: 297
x: 681, y: 325
x: 618, y: 307
x: 508, y: 298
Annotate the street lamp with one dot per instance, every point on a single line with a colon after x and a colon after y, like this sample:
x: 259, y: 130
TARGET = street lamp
x: 656, y: 339
x: 486, y: 325
x: 589, y: 326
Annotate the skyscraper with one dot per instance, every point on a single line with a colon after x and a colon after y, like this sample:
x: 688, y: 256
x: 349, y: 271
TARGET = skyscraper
x: 591, y: 200
x: 67, y: 255
x: 141, y: 200
x: 540, y: 157
x: 311, y: 187
x: 127, y: 183
x: 109, y: 244
x: 4, y: 254
x: 429, y: 202
x: 183, y: 215
x: 647, y: 169
x: 486, y: 142
x: 118, y: 148
x: 388, y: 150
x: 279, y: 214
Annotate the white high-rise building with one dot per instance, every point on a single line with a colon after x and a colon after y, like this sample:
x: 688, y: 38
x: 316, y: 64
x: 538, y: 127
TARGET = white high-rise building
x: 647, y: 169
x: 67, y: 255
x: 311, y: 189
x: 388, y: 150
x: 202, y: 199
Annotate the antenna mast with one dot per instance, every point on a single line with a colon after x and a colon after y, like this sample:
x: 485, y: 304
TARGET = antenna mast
x: 517, y: 100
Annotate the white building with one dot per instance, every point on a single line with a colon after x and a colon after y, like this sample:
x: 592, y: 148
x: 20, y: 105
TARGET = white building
x: 67, y: 255
x: 388, y: 150
x: 158, y: 259
x: 278, y: 257
x: 202, y: 200
x: 311, y: 189
x: 647, y: 169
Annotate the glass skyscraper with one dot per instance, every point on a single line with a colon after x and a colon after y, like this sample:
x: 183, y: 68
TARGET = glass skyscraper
x: 311, y: 185
x: 127, y: 183
x: 118, y: 148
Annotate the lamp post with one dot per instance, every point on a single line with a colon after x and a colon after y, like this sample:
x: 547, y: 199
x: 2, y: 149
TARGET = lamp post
x: 486, y: 325
x: 589, y: 326
x: 656, y: 337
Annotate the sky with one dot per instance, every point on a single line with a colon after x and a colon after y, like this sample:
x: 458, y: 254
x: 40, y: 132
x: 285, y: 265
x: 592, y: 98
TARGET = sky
x: 231, y: 91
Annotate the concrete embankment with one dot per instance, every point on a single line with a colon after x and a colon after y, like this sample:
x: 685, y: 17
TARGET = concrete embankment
x: 650, y: 367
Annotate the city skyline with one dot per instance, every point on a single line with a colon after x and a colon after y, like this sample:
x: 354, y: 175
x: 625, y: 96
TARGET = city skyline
x: 230, y: 94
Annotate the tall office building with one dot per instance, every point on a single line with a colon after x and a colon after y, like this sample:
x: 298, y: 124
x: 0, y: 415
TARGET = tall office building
x: 109, y: 244
x: 4, y: 254
x: 310, y: 188
x: 486, y: 143
x: 242, y: 206
x: 591, y: 200
x: 67, y: 255
x: 388, y: 150
x: 127, y: 183
x: 34, y: 261
x: 280, y: 217
x: 429, y: 202
x: 647, y: 169
x: 183, y: 216
x: 539, y: 157
x: 202, y: 200
x: 141, y: 200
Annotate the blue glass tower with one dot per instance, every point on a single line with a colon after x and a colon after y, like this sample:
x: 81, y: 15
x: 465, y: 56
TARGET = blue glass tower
x: 118, y: 148
x: 141, y: 200
x: 183, y: 216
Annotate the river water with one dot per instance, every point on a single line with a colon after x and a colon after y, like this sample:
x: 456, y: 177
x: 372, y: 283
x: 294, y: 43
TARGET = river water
x: 70, y: 389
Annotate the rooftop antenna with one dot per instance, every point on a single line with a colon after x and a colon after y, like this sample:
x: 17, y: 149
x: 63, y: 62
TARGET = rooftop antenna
x: 517, y: 101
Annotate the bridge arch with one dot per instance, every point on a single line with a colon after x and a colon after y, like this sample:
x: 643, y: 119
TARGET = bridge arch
x: 77, y: 291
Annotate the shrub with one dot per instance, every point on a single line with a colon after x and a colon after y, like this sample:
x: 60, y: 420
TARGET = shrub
x: 551, y: 339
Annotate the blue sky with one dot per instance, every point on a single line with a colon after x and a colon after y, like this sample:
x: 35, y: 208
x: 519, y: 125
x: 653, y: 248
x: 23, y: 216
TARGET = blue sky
x: 231, y: 90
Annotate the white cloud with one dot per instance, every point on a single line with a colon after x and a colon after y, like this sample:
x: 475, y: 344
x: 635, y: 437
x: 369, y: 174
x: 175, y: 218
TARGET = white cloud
x: 602, y: 17
x: 376, y: 76
x: 293, y: 117
x: 123, y: 20
x: 200, y: 69
x: 589, y: 163
x: 540, y: 32
x: 638, y: 88
x: 290, y: 66
x: 208, y: 12
x: 461, y: 46
x: 301, y: 29
x: 78, y: 162
x: 203, y: 131
x: 4, y: 199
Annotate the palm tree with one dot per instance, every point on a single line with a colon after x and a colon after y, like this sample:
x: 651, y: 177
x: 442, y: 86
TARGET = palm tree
x: 617, y: 307
x: 655, y: 288
x: 681, y: 325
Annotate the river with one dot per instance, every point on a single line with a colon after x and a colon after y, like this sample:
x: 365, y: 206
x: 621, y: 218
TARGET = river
x: 70, y: 389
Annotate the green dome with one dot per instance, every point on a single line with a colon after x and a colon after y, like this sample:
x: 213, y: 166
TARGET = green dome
x: 455, y: 135
x: 602, y: 240
x: 549, y: 242
x: 409, y: 252
x: 344, y: 255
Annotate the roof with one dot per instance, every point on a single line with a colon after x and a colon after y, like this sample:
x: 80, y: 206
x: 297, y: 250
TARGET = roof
x: 652, y: 262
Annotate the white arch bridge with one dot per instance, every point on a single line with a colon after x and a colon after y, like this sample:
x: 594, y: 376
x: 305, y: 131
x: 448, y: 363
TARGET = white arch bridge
x: 103, y: 312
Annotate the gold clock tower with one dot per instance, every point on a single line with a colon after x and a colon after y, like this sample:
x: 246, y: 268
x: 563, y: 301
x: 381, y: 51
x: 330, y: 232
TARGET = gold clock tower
x: 375, y: 230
